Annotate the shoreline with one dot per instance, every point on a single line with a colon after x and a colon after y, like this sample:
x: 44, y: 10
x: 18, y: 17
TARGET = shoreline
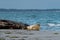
x: 29, y: 35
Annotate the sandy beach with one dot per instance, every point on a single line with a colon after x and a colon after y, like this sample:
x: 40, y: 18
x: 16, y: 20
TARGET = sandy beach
x: 28, y: 35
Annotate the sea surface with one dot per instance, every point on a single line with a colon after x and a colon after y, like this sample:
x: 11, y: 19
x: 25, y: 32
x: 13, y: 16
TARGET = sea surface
x: 48, y: 20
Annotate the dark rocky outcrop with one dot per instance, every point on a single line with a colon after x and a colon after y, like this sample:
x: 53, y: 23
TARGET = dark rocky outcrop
x: 8, y: 24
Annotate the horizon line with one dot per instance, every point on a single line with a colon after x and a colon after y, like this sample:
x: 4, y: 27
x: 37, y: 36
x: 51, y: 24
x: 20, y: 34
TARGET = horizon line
x: 17, y: 8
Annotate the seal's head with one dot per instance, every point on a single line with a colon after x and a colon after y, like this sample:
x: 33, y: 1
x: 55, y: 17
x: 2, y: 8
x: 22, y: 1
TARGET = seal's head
x: 34, y: 27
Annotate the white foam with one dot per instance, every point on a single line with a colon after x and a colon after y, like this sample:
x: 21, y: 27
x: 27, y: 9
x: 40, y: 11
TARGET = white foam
x: 57, y: 24
x: 52, y: 24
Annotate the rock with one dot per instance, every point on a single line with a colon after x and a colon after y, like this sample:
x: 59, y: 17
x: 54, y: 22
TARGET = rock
x: 7, y: 24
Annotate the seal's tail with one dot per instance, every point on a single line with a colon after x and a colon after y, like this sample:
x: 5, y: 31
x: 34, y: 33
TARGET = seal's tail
x: 34, y: 27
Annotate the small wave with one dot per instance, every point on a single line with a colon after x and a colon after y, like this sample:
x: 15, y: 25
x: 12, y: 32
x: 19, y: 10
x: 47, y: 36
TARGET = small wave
x: 52, y: 24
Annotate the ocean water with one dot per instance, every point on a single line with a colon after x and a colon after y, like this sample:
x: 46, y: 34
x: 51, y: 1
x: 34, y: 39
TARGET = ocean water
x: 49, y: 20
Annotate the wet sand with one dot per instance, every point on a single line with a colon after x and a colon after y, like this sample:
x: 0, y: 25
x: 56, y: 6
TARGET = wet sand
x: 28, y: 35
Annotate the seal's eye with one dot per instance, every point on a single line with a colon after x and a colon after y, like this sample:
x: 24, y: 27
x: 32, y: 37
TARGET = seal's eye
x: 38, y: 24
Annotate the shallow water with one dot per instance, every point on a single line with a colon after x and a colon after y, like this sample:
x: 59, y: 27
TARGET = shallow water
x: 49, y: 20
